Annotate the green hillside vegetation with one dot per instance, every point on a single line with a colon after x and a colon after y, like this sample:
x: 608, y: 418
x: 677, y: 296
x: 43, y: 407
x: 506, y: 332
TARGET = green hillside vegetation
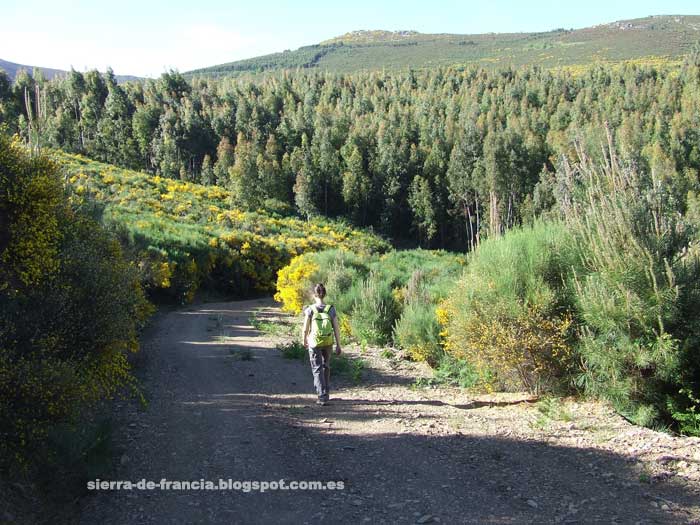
x: 445, y: 157
x: 186, y: 235
x: 652, y: 40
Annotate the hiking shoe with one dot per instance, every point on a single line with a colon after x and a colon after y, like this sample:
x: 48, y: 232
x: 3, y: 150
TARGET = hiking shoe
x: 321, y: 402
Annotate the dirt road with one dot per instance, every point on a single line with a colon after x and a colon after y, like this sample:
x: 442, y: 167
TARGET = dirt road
x: 405, y: 455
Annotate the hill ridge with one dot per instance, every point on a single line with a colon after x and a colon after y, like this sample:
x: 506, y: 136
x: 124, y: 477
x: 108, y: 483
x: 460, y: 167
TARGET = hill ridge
x: 656, y: 38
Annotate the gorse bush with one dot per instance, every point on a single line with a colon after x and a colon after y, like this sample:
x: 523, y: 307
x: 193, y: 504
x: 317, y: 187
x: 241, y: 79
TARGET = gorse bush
x: 184, y: 235
x: 294, y: 282
x: 70, y: 307
x: 510, y: 313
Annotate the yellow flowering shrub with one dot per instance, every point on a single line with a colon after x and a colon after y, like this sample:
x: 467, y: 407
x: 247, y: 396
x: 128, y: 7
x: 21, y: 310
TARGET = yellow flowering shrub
x: 71, y: 307
x: 234, y: 251
x: 293, y: 283
x: 509, y: 314
x: 345, y: 326
x: 529, y: 351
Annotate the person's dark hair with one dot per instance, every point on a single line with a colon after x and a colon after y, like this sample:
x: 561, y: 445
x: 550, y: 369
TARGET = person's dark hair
x: 320, y: 290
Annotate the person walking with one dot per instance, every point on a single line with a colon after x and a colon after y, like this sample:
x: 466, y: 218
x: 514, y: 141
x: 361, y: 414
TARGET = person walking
x: 319, y: 331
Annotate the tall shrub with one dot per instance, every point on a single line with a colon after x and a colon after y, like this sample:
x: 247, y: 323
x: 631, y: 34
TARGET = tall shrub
x: 70, y: 307
x: 510, y: 313
x: 374, y: 311
x: 640, y: 293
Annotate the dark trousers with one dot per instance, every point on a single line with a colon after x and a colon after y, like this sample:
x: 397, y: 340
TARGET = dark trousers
x: 320, y: 366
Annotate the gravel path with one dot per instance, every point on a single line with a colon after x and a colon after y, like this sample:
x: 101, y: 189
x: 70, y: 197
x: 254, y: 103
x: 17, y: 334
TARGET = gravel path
x: 224, y: 404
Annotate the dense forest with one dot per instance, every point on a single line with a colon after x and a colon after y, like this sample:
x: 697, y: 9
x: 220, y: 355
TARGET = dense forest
x: 455, y: 154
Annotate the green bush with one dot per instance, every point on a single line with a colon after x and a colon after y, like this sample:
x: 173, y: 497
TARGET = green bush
x: 70, y: 307
x: 374, y: 311
x: 510, y: 313
x: 418, y: 331
x: 640, y: 295
x: 342, y: 365
x: 688, y: 418
x: 455, y: 372
x: 293, y: 350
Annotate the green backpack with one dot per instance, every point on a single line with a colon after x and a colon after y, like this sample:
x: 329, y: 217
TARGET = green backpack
x: 321, y: 327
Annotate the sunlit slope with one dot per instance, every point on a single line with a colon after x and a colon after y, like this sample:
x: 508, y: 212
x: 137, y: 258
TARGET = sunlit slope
x: 184, y: 235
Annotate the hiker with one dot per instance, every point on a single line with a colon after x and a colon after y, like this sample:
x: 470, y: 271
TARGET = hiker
x: 320, y: 329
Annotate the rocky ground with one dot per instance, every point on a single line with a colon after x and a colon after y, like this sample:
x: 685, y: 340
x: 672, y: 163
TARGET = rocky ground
x: 223, y: 403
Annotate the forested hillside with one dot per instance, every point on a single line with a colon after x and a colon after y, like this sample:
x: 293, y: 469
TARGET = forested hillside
x: 445, y: 156
x: 13, y: 69
x: 655, y: 39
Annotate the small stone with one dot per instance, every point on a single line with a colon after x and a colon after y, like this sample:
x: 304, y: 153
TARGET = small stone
x: 396, y: 505
x: 532, y: 503
x: 426, y: 518
x: 665, y: 507
x: 124, y: 459
x: 357, y: 502
x: 654, y: 504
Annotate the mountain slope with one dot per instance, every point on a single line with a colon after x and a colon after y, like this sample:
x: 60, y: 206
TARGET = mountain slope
x: 655, y: 38
x: 12, y: 68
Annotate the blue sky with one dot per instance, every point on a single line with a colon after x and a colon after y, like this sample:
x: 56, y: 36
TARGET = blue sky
x: 146, y: 37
